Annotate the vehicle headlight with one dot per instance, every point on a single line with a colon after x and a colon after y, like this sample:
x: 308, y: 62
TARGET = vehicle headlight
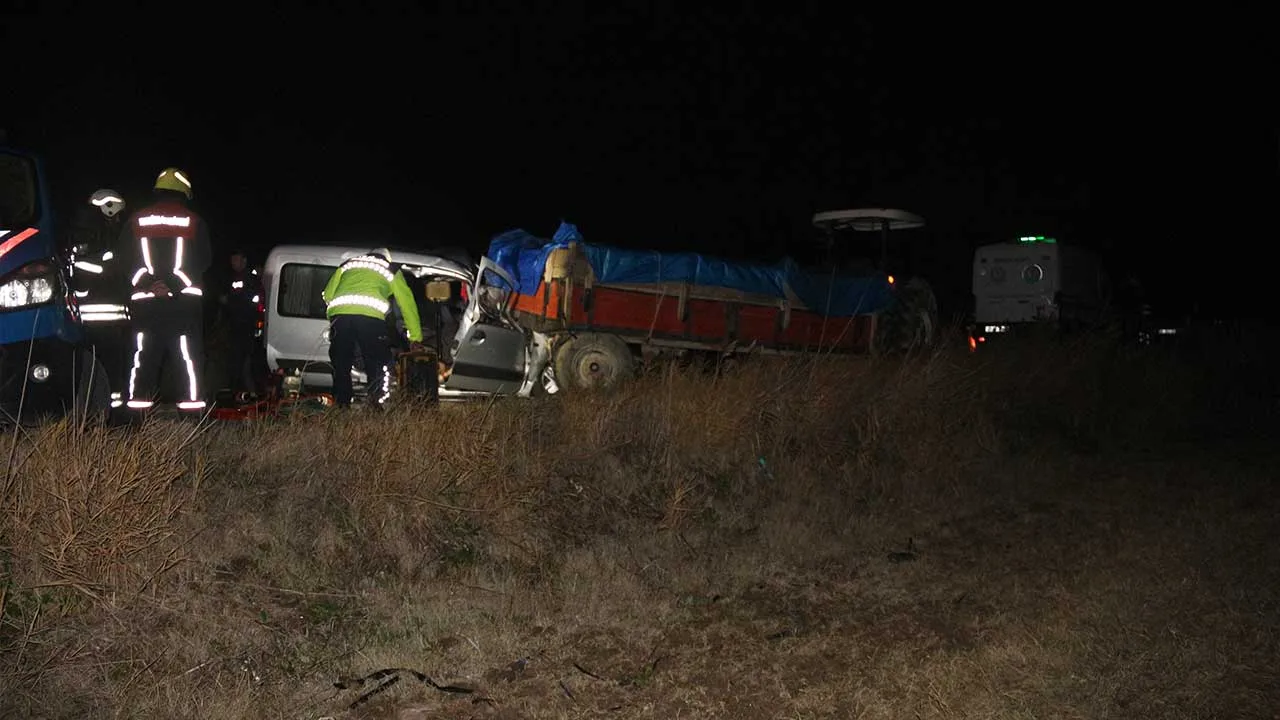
x: 34, y: 284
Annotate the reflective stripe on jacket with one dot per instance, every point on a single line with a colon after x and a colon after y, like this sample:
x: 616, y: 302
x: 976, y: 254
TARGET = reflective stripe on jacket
x: 169, y: 242
x: 363, y: 286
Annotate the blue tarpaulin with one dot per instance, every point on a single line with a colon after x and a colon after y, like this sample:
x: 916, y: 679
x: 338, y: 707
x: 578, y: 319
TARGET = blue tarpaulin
x: 524, y: 256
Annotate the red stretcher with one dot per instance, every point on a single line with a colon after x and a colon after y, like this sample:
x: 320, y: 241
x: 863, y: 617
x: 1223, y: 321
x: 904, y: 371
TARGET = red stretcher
x: 273, y: 407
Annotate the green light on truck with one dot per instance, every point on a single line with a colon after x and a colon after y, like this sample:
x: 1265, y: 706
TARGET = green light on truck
x: 1037, y: 239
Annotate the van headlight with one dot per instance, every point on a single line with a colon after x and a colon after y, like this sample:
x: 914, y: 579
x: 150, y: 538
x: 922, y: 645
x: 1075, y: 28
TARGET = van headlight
x: 33, y: 284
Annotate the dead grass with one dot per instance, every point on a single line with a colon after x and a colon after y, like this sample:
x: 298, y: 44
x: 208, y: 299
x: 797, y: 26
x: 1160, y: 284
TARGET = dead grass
x: 1052, y: 530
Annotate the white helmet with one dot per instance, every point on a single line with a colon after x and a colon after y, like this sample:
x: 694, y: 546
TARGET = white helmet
x: 108, y: 201
x: 385, y: 253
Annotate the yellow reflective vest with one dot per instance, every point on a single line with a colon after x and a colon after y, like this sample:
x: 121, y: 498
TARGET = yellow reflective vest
x: 363, y: 286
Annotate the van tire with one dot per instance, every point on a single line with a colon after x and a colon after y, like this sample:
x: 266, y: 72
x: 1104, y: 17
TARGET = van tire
x: 546, y: 380
x: 593, y: 361
x: 91, y: 403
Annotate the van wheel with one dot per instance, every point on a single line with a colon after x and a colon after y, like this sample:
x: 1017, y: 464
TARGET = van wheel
x: 593, y: 361
x: 546, y: 384
x: 92, y: 401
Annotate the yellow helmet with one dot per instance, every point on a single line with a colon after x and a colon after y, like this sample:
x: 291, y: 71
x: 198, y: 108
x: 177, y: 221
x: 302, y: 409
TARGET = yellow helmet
x: 174, y: 179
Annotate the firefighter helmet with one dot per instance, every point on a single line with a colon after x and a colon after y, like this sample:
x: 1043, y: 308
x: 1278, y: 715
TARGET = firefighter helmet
x: 108, y: 201
x: 174, y: 179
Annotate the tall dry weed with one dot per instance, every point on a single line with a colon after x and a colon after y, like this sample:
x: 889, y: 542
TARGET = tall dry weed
x: 96, y: 510
x: 90, y: 520
x: 313, y: 516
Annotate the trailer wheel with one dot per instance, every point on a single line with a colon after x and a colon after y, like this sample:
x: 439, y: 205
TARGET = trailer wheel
x: 593, y: 361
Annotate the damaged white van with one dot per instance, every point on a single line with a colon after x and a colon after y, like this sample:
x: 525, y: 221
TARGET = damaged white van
x: 464, y: 316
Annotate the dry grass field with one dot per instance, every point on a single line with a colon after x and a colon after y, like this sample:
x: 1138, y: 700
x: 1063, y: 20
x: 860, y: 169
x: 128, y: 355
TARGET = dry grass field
x: 1059, y: 529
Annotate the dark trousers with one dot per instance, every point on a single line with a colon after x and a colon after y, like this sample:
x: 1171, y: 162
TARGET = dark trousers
x: 242, y: 360
x: 113, y: 345
x: 347, y: 333
x: 167, y: 330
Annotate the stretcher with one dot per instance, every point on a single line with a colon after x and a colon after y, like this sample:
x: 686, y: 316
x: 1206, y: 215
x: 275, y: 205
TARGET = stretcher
x: 274, y: 407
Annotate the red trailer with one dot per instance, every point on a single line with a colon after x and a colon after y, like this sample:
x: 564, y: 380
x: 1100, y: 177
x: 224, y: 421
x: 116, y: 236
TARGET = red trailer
x: 599, y: 307
x: 570, y: 299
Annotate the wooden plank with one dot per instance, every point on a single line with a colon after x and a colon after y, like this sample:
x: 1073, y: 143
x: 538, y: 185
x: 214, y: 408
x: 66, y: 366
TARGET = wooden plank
x: 731, y: 320
x: 701, y: 292
x: 711, y: 325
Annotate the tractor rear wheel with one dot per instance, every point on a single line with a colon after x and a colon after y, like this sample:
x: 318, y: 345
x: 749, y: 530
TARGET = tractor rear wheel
x: 911, y: 323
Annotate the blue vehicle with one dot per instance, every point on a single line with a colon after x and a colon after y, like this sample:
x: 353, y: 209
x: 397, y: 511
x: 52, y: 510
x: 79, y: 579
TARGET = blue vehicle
x: 46, y: 366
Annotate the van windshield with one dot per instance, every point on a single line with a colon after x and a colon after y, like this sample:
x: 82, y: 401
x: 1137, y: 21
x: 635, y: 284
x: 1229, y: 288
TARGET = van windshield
x: 19, y: 196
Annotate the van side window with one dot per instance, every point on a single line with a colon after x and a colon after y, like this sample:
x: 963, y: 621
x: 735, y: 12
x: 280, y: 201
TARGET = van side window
x: 300, y: 288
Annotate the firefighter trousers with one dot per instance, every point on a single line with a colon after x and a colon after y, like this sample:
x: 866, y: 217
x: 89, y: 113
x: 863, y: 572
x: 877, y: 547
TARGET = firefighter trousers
x: 347, y: 333
x: 113, y: 345
x: 167, y: 332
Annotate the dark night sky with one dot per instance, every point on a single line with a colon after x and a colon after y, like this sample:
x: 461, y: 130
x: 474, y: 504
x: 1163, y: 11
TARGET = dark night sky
x: 664, y: 126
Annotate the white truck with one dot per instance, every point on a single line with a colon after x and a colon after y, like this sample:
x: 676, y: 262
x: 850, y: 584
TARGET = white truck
x: 1035, y: 280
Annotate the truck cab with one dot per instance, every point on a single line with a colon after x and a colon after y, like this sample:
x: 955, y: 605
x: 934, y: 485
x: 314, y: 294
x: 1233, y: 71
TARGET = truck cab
x: 465, y: 312
x: 46, y: 366
x: 1035, y: 281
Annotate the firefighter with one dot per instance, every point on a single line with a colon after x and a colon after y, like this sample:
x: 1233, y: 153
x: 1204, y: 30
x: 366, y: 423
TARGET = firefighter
x: 357, y: 298
x: 97, y: 224
x: 243, y: 308
x: 101, y: 286
x: 93, y: 258
x: 168, y: 249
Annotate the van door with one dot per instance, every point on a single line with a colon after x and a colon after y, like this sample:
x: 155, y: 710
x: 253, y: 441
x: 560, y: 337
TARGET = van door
x: 491, y: 351
x: 297, y: 334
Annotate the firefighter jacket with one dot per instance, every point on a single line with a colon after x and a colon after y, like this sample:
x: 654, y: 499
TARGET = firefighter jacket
x: 98, y: 280
x: 364, y: 285
x: 166, y: 242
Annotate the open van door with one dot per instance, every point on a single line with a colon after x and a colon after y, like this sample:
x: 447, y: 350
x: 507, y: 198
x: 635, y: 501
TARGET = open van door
x: 492, y: 354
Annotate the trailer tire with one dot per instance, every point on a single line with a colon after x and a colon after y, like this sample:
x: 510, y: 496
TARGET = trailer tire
x: 593, y: 361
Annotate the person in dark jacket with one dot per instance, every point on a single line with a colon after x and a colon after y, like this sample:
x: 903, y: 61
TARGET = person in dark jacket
x: 242, y: 305
x: 168, y: 248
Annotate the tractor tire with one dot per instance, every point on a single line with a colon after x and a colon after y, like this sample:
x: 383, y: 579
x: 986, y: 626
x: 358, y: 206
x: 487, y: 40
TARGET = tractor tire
x: 911, y: 323
x: 593, y: 361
